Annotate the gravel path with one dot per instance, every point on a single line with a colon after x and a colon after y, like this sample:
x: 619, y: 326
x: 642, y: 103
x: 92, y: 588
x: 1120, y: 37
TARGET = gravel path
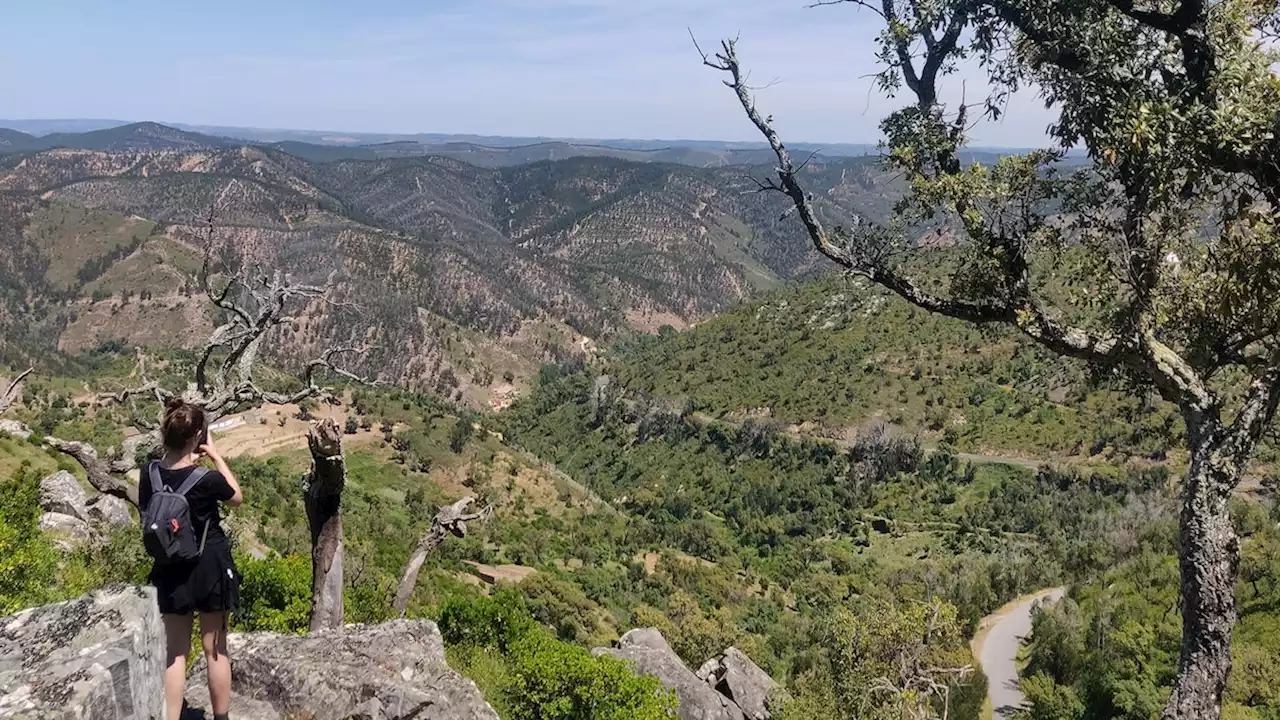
x: 997, y: 649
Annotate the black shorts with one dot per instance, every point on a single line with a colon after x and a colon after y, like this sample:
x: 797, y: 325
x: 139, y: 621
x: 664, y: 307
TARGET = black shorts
x: 210, y: 584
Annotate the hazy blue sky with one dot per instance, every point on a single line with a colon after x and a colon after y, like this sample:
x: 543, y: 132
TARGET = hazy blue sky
x: 567, y: 68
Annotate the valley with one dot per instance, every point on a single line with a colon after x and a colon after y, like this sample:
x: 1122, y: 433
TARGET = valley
x: 680, y: 418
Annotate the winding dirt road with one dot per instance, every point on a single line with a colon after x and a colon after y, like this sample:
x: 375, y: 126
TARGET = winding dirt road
x: 996, y: 647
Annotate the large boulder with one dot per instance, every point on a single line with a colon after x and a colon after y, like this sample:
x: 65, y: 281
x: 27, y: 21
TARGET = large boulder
x: 67, y: 531
x: 648, y: 651
x: 100, y: 656
x: 133, y: 445
x: 61, y: 493
x: 108, y: 510
x: 733, y: 675
x: 392, y: 671
x: 15, y: 429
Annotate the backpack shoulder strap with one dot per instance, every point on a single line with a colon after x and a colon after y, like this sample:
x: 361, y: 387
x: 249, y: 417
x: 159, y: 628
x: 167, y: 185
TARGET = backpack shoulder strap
x: 153, y: 472
x: 195, y: 477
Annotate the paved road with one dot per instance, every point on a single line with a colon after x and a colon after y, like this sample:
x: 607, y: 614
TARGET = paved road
x: 999, y: 653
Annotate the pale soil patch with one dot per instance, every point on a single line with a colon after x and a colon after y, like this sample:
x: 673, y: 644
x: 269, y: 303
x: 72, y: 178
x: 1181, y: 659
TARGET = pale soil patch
x: 652, y: 559
x: 494, y: 574
x: 253, y: 438
x: 168, y: 320
x: 650, y: 321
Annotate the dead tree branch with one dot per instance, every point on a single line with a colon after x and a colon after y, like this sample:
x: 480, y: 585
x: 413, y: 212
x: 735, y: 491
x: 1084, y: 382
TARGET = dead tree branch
x: 450, y: 520
x: 865, y: 251
x: 10, y: 394
x: 98, y: 470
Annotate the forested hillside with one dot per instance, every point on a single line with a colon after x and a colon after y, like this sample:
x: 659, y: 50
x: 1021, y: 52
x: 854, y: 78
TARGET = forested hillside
x: 478, y: 274
x: 833, y: 355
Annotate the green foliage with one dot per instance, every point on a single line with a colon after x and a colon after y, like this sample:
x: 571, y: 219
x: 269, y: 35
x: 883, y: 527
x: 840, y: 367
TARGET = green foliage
x: 117, y: 557
x: 460, y: 434
x: 552, y: 680
x: 888, y: 661
x: 842, y: 352
x: 529, y: 675
x: 497, y: 621
x: 28, y: 562
x: 275, y: 594
x: 1111, y: 649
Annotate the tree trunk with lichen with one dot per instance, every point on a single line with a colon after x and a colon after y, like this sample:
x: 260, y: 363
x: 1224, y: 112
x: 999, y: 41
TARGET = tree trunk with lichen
x: 1209, y: 561
x: 323, y: 498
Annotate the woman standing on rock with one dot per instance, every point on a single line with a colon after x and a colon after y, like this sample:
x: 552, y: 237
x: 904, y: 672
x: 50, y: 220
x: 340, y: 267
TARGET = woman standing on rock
x: 193, y: 570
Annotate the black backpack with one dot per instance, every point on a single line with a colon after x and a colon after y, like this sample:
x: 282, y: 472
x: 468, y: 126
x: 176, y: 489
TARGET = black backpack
x: 168, y: 533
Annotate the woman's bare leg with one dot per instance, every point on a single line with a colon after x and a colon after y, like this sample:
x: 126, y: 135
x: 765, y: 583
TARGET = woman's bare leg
x: 213, y: 633
x: 177, y: 642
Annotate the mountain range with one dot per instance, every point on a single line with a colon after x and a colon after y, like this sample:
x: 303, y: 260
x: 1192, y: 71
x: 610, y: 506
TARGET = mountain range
x: 484, y: 150
x: 464, y: 276
x: 40, y: 127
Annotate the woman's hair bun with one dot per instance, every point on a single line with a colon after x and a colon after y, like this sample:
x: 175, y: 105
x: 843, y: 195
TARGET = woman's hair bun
x: 182, y: 422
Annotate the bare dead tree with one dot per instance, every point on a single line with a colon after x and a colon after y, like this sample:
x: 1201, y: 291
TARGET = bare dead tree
x: 252, y: 303
x: 450, y: 520
x: 10, y: 395
x: 322, y: 494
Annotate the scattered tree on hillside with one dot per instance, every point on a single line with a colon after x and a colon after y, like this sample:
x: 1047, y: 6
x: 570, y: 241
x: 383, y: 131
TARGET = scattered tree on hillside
x: 459, y: 434
x: 1177, y: 105
x: 450, y: 520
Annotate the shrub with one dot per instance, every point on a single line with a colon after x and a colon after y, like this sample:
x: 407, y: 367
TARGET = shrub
x: 28, y: 562
x: 275, y: 594
x: 553, y: 680
x: 497, y: 621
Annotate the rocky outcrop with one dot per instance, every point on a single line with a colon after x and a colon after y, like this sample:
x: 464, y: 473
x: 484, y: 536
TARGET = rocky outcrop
x: 67, y: 531
x: 105, y: 510
x: 392, y: 671
x: 61, y: 493
x: 100, y: 656
x: 70, y: 517
x: 13, y: 428
x: 649, y: 653
x: 733, y: 675
x: 726, y: 687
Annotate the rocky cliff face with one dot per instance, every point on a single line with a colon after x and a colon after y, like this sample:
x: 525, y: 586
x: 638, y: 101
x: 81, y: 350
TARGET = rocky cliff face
x: 100, y: 656
x: 392, y: 671
x: 726, y: 687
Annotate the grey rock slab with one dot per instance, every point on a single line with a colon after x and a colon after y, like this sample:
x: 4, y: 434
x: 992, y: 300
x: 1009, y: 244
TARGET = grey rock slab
x: 67, y: 531
x: 392, y: 671
x: 100, y: 656
x: 649, y: 653
x: 735, y: 676
x: 15, y: 429
x: 61, y: 493
x: 109, y: 510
